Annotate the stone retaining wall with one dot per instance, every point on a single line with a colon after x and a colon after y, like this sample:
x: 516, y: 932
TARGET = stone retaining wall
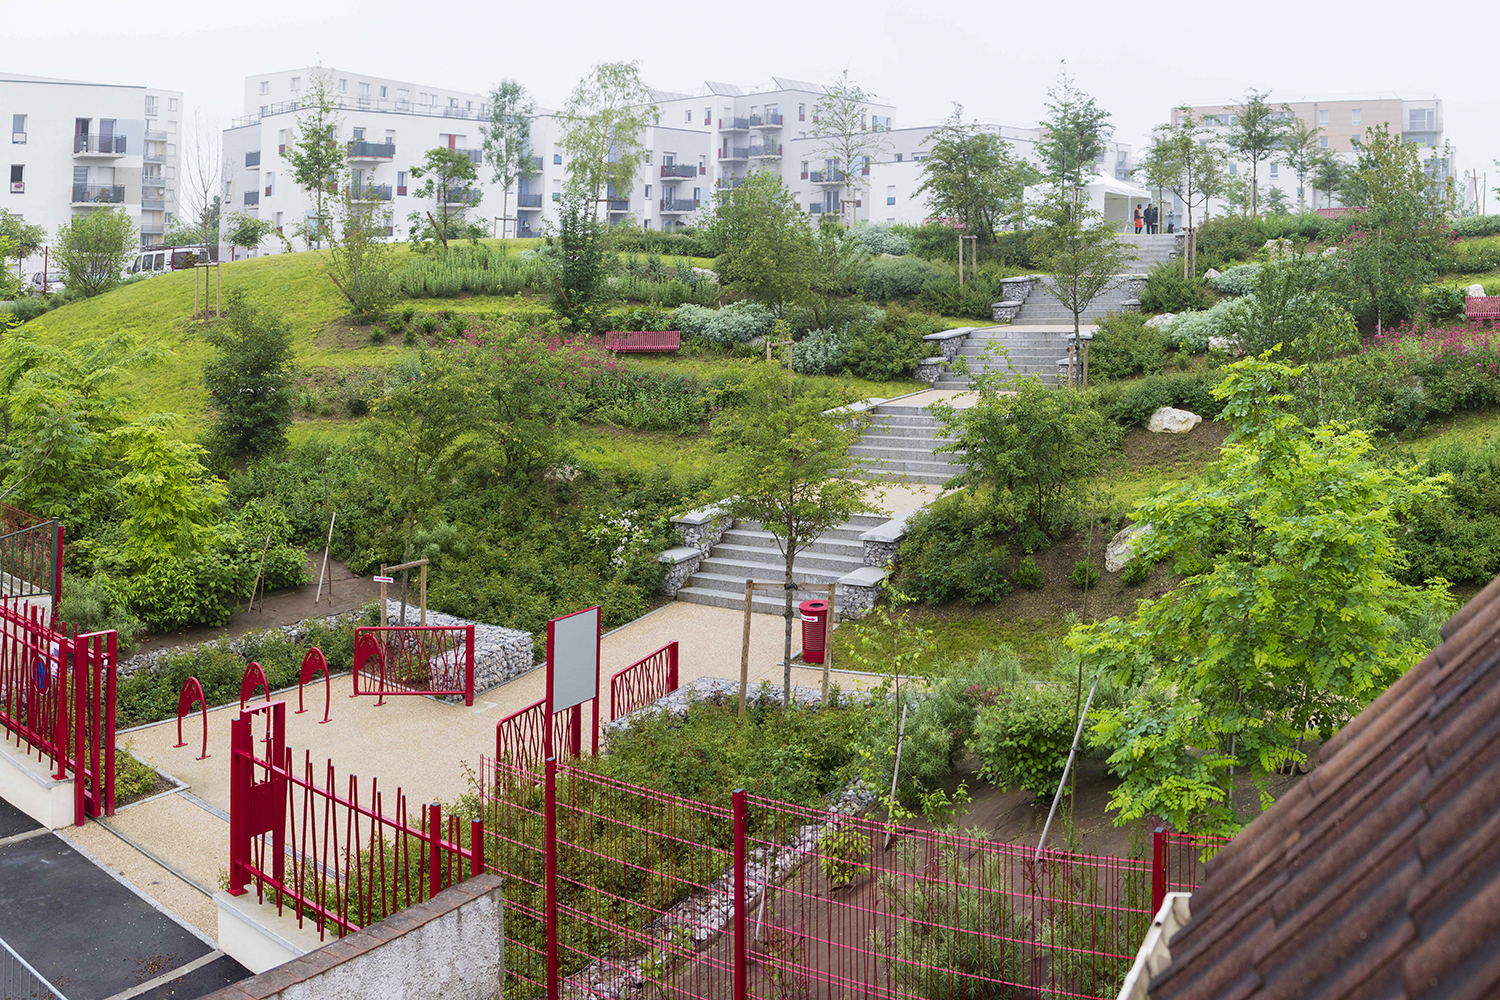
x: 500, y: 654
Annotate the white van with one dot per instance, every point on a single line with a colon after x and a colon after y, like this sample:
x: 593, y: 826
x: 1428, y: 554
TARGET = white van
x: 159, y: 260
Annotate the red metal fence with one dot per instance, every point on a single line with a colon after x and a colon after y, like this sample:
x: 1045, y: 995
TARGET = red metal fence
x: 30, y: 554
x: 643, y: 682
x: 414, y: 659
x: 612, y: 888
x: 57, y: 700
x: 521, y: 737
x: 341, y: 863
x: 1178, y: 861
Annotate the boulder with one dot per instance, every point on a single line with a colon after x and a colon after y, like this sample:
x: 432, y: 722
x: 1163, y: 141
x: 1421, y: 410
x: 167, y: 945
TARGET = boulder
x: 1474, y: 292
x: 1227, y: 344
x: 1169, y: 420
x: 1123, y: 546
x: 1211, y: 274
x: 1160, y: 320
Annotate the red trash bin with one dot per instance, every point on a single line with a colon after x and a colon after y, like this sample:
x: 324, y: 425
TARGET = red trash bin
x: 814, y: 630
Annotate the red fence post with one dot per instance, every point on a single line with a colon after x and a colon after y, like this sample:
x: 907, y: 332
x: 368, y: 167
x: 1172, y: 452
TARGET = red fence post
x: 239, y: 804
x: 434, y: 849
x: 549, y: 873
x: 110, y: 649
x: 80, y: 726
x: 476, y: 848
x: 740, y: 921
x: 1158, y: 869
x: 672, y: 666
x: 468, y: 664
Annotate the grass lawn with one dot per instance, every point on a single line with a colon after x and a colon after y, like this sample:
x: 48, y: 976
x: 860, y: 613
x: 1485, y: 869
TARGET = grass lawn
x: 958, y: 635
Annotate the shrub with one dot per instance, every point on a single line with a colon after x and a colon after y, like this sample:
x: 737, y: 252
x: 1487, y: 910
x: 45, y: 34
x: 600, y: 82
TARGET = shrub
x: 1136, y: 572
x: 1023, y: 738
x: 1029, y: 575
x: 1131, y: 404
x: 377, y: 334
x: 1237, y: 280
x: 1193, y: 330
x: 1124, y: 346
x: 949, y: 553
x: 1228, y: 239
x: 30, y: 307
x: 641, y: 318
x: 739, y: 323
x: 1458, y: 538
x: 821, y: 352
x: 94, y: 604
x: 901, y: 278
x: 1085, y: 574
x: 1477, y: 225
x: 1167, y: 290
x: 880, y: 240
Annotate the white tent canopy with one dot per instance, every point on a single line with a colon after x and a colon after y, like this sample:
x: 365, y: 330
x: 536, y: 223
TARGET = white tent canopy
x: 1113, y: 198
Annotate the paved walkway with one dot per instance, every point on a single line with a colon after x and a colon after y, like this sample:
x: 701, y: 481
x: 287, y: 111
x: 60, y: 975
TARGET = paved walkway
x: 427, y: 748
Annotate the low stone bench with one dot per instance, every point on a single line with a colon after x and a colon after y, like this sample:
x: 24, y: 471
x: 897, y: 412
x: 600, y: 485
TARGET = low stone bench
x: 1005, y: 312
x: 949, y: 341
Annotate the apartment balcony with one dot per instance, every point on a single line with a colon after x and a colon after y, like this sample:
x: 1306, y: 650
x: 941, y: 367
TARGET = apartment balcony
x: 360, y: 150
x: 529, y: 201
x: 153, y: 228
x: 476, y: 156
x: 526, y: 233
x: 734, y: 124
x: 111, y: 146
x: 252, y: 159
x: 532, y: 165
x: 734, y: 153
x: 458, y: 196
x: 766, y: 151
x: 765, y: 121
x: 154, y: 181
x: 819, y: 209
x: 677, y: 171
x: 154, y: 135
x: 153, y: 205
x: 89, y: 194
x: 731, y: 183
x: 154, y: 157
x: 678, y: 207
x: 370, y: 192
x: 827, y: 176
x: 252, y: 197
x: 619, y: 205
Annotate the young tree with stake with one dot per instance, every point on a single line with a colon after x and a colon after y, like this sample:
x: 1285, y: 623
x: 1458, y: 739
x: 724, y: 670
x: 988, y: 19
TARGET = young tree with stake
x: 1258, y: 132
x: 317, y: 155
x: 846, y: 135
x: 601, y: 130
x: 507, y: 136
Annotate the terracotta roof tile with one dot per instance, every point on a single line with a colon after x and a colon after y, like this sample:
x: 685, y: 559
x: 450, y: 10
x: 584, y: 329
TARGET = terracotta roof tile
x: 1378, y: 876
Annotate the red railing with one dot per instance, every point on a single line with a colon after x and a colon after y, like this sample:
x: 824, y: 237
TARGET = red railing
x: 1178, y: 861
x: 335, y: 861
x: 31, y: 550
x: 610, y: 886
x: 521, y: 737
x: 57, y: 699
x: 414, y: 659
x: 643, y: 682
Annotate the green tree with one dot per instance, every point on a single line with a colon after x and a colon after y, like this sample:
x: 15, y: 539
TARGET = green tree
x: 1328, y: 175
x: 577, y: 265
x: 93, y: 248
x: 1287, y: 620
x: 846, y: 135
x: 1277, y: 202
x: 1301, y: 147
x: 360, y: 259
x: 249, y: 380
x: 1038, y: 448
x: 786, y: 464
x: 507, y: 138
x: 1076, y: 130
x: 602, y: 124
x: 1080, y: 251
x: 316, y: 154
x: 970, y: 176
x: 22, y: 239
x: 1258, y: 132
x: 452, y: 182
x: 172, y: 502
x: 768, y: 252
x: 1181, y: 160
x: 241, y: 229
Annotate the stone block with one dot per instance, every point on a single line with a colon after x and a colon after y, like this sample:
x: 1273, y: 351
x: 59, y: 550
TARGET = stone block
x: 1170, y: 420
x: 1122, y: 548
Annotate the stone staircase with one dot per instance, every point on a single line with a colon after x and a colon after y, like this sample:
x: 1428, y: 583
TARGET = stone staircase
x: 747, y: 552
x: 1151, y: 249
x: 1042, y: 308
x: 899, y: 442
x: 1030, y: 350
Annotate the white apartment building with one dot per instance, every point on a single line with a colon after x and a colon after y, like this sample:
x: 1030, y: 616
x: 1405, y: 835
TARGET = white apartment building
x: 75, y: 146
x: 1341, y: 124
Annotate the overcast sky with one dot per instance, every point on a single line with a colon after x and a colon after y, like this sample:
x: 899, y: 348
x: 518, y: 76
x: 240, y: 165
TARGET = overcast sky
x: 997, y: 58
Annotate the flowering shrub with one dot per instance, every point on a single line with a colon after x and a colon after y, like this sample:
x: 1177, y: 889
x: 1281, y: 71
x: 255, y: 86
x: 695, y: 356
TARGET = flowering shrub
x: 1237, y: 280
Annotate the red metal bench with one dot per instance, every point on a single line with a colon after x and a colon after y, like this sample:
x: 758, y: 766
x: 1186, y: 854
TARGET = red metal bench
x: 1478, y: 308
x: 642, y: 341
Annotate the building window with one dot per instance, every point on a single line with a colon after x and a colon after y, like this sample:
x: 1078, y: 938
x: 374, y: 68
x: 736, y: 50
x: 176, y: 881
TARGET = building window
x: 648, y: 192
x: 1234, y: 170
x: 296, y: 84
x: 899, y: 157
x: 556, y: 158
x: 390, y: 136
x: 18, y: 128
x: 802, y: 112
x: 364, y: 90
x: 171, y: 125
x: 343, y: 86
x: 1322, y: 119
x: 17, y: 178
x: 402, y: 96
x: 687, y: 117
x: 1274, y: 167
x: 645, y: 223
x: 1322, y: 142
x: 150, y: 106
x: 708, y: 116
x: 382, y: 93
x: 265, y: 86
x: 1354, y: 117
x: 1354, y: 141
x: 171, y: 104
x: 359, y: 133
x: 264, y: 110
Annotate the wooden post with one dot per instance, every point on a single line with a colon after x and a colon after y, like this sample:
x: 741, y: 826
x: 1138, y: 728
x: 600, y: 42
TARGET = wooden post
x: 266, y: 548
x: 218, y: 290
x: 424, y: 594
x: 745, y: 646
x: 195, y: 293
x: 321, y: 573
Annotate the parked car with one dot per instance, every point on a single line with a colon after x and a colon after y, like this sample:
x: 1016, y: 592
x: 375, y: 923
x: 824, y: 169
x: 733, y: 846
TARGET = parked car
x: 53, y: 281
x: 159, y: 260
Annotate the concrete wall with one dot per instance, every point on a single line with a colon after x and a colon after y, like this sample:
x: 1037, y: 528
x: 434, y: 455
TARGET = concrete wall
x: 27, y: 784
x: 452, y: 946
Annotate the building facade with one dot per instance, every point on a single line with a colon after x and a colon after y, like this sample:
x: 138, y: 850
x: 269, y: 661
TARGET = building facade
x: 703, y: 142
x: 75, y: 147
x: 1341, y: 125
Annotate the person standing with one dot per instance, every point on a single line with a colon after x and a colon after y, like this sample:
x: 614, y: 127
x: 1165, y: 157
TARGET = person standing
x: 1151, y: 216
x: 1137, y: 218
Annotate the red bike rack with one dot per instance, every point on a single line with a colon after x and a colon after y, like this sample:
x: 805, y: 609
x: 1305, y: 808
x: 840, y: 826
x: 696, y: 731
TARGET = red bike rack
x: 192, y: 691
x: 313, y: 662
x: 364, y: 648
x: 254, y: 677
